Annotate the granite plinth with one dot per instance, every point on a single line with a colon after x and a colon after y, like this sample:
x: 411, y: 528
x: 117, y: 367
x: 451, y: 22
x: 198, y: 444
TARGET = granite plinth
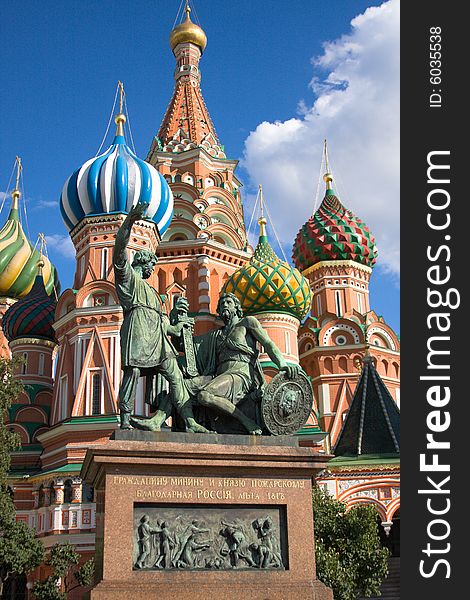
x: 166, y: 474
x: 138, y: 435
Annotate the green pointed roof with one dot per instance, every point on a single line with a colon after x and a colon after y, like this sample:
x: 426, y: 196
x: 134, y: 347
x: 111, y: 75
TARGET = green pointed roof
x: 372, y: 425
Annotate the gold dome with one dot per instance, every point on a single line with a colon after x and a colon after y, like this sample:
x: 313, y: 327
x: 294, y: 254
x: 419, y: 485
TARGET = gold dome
x: 268, y: 284
x: 188, y: 32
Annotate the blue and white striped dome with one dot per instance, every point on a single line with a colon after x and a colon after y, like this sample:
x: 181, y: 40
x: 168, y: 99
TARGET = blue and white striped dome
x: 114, y: 182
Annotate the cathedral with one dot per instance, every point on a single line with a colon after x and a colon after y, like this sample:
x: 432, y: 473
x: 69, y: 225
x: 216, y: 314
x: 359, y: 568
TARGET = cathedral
x: 317, y: 310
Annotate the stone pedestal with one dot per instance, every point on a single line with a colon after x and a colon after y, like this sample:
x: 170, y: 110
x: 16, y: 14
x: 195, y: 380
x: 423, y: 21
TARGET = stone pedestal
x: 247, y: 501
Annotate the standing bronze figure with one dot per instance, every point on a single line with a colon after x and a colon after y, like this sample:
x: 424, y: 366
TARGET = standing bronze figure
x: 145, y: 347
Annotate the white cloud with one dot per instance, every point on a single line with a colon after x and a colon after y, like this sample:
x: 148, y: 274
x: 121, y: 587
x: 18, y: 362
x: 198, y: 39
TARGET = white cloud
x: 62, y: 244
x: 356, y: 84
x: 45, y: 204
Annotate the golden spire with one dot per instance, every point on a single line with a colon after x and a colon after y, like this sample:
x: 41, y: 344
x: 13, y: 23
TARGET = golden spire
x: 41, y: 264
x: 120, y: 118
x: 262, y: 219
x: 187, y: 31
x: 327, y: 178
x: 16, y: 194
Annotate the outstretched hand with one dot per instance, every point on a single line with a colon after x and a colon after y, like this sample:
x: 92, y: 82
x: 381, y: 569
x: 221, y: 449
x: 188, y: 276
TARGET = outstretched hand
x: 292, y: 371
x: 137, y: 211
x: 183, y: 325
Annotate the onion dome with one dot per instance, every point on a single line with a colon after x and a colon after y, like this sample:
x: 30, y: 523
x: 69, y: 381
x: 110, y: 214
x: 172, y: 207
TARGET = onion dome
x: 114, y: 182
x: 333, y: 233
x: 19, y: 259
x: 188, y: 32
x: 33, y: 315
x: 268, y: 284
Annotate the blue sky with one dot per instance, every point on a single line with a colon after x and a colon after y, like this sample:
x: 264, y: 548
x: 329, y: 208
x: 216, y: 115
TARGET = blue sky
x: 61, y: 61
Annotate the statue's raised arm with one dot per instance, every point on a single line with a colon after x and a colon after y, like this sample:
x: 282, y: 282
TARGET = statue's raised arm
x: 123, y: 235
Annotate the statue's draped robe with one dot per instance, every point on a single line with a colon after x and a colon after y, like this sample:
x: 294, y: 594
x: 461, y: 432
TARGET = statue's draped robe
x: 212, y: 348
x: 144, y: 343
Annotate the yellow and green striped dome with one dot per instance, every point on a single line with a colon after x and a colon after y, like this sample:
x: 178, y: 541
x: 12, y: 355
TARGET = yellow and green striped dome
x: 19, y: 260
x: 268, y: 284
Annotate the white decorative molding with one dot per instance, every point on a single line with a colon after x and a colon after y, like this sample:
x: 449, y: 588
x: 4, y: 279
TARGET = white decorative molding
x: 383, y: 333
x: 340, y: 327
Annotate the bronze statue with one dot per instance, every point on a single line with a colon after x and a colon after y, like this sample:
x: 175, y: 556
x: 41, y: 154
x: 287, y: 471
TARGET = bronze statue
x: 145, y: 347
x: 230, y: 356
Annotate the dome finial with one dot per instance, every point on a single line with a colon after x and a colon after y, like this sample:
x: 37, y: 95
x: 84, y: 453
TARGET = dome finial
x: 262, y: 219
x: 41, y: 262
x: 120, y: 118
x: 16, y: 194
x: 187, y: 31
x: 327, y: 178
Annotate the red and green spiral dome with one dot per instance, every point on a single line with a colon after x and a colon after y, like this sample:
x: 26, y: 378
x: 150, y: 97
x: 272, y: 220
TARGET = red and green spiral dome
x: 333, y: 233
x: 33, y: 315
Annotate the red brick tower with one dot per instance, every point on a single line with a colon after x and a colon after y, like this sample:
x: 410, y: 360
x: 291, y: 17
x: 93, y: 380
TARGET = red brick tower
x: 336, y: 252
x: 27, y: 325
x: 206, y: 241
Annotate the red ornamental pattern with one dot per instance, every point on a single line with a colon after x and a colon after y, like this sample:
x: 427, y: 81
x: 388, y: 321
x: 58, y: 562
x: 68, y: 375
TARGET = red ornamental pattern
x: 333, y: 233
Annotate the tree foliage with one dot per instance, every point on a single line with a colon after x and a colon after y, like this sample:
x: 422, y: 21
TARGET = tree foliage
x: 20, y: 551
x: 63, y: 559
x: 349, y: 555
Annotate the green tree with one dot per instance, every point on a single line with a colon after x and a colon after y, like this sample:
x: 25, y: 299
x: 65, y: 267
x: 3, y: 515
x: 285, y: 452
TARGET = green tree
x: 349, y: 555
x: 20, y: 551
x: 63, y: 559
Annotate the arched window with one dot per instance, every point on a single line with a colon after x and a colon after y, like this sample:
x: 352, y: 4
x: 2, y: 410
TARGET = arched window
x: 338, y: 303
x: 177, y: 276
x: 52, y: 493
x: 41, y: 496
x: 161, y: 281
x: 96, y: 394
x: 41, y: 364
x: 328, y: 365
x: 359, y: 302
x: 104, y: 263
x: 87, y: 493
x: 319, y: 307
x: 287, y: 339
x: 63, y: 396
x: 24, y: 367
x: 68, y: 491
